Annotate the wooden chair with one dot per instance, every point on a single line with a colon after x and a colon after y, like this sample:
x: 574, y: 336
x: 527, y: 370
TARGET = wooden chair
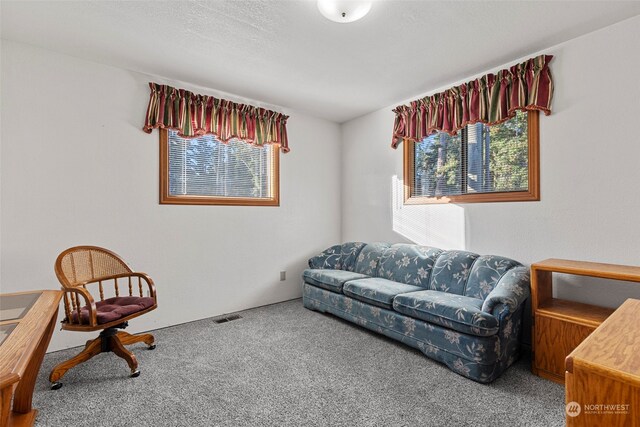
x: 82, y: 268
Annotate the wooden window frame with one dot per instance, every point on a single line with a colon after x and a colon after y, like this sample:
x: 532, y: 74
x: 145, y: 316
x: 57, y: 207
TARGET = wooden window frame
x: 532, y: 194
x: 168, y: 199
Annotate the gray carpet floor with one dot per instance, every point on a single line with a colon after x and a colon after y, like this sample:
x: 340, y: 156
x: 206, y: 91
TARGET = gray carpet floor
x: 284, y: 365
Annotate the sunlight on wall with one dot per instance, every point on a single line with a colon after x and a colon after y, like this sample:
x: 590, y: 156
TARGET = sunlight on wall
x: 442, y: 226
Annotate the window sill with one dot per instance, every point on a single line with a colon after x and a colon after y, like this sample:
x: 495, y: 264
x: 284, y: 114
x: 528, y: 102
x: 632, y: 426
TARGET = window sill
x: 511, y: 196
x: 227, y: 201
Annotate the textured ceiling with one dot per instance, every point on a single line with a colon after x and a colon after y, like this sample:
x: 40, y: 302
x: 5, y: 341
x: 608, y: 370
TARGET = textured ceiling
x: 285, y: 53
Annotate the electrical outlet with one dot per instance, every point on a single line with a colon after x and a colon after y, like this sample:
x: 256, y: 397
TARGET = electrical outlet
x: 283, y: 276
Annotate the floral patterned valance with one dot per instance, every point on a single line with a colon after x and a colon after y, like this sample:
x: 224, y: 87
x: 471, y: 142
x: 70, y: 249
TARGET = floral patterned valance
x: 491, y: 99
x: 195, y: 115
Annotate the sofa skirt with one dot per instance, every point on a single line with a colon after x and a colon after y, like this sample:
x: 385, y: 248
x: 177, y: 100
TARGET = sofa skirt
x: 481, y: 359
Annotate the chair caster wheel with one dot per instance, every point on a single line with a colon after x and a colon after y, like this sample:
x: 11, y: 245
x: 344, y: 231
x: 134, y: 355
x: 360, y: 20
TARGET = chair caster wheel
x: 56, y: 386
x: 151, y: 347
x: 135, y: 373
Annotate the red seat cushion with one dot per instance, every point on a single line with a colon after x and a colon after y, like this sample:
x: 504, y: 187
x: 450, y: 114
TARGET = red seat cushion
x: 114, y: 308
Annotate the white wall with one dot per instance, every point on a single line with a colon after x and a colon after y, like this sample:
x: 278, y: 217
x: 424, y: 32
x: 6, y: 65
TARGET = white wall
x: 589, y: 175
x: 77, y: 169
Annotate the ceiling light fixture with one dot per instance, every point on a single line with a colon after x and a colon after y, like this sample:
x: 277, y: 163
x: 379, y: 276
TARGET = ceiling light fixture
x: 344, y: 11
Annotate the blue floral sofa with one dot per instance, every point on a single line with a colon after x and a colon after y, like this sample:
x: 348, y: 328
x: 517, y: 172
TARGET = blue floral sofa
x: 457, y: 307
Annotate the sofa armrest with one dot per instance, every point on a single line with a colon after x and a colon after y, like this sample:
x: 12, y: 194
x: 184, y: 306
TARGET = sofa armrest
x: 510, y: 293
x: 327, y: 259
x: 338, y: 257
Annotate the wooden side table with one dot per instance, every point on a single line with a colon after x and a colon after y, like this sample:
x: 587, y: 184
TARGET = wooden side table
x: 27, y: 321
x: 558, y: 325
x: 603, y: 373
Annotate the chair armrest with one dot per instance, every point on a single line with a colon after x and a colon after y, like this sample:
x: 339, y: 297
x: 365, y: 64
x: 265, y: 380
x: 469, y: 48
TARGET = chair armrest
x: 511, y: 291
x: 142, y: 277
x: 72, y: 300
x: 72, y: 303
x: 150, y: 285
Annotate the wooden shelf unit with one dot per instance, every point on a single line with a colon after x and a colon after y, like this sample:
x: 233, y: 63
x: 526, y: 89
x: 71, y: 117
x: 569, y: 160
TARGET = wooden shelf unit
x: 559, y: 326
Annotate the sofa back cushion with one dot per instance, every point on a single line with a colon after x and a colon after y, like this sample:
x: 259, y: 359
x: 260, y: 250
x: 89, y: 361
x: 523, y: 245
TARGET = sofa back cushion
x: 451, y: 271
x: 338, y: 257
x: 410, y: 264
x: 349, y: 254
x: 327, y: 259
x: 369, y: 257
x: 486, y: 273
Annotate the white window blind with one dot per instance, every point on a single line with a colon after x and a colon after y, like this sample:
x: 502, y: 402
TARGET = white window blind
x: 204, y: 166
x: 479, y: 159
x: 438, y: 166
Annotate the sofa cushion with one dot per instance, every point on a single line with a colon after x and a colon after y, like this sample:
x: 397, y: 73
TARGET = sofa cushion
x: 458, y: 312
x: 328, y: 258
x: 377, y: 291
x: 410, y: 264
x: 348, y: 254
x: 114, y: 308
x: 486, y: 273
x: 369, y: 257
x: 451, y: 270
x: 332, y: 280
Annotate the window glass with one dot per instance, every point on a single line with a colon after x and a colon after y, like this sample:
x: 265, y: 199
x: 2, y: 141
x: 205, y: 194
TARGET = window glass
x: 480, y: 159
x: 205, y: 168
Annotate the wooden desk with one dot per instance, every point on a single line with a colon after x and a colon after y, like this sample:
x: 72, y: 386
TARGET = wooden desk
x: 559, y: 325
x: 605, y: 370
x: 27, y: 320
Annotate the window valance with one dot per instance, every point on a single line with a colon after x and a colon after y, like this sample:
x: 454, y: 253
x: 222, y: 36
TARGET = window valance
x: 491, y: 99
x: 194, y: 115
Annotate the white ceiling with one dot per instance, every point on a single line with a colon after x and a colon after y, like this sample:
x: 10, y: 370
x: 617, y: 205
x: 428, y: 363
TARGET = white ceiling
x: 285, y: 53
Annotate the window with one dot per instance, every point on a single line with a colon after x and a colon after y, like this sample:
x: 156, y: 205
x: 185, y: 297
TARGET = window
x: 205, y: 171
x: 481, y: 163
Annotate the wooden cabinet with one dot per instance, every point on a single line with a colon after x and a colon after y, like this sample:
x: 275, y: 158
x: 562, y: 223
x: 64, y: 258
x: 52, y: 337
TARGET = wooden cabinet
x: 603, y: 373
x: 560, y: 325
x: 556, y: 338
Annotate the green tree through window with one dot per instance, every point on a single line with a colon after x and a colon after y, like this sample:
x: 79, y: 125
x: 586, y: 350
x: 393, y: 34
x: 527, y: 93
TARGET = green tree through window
x: 480, y: 159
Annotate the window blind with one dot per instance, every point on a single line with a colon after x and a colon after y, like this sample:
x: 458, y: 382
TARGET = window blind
x: 204, y: 166
x: 479, y: 159
x: 438, y: 165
